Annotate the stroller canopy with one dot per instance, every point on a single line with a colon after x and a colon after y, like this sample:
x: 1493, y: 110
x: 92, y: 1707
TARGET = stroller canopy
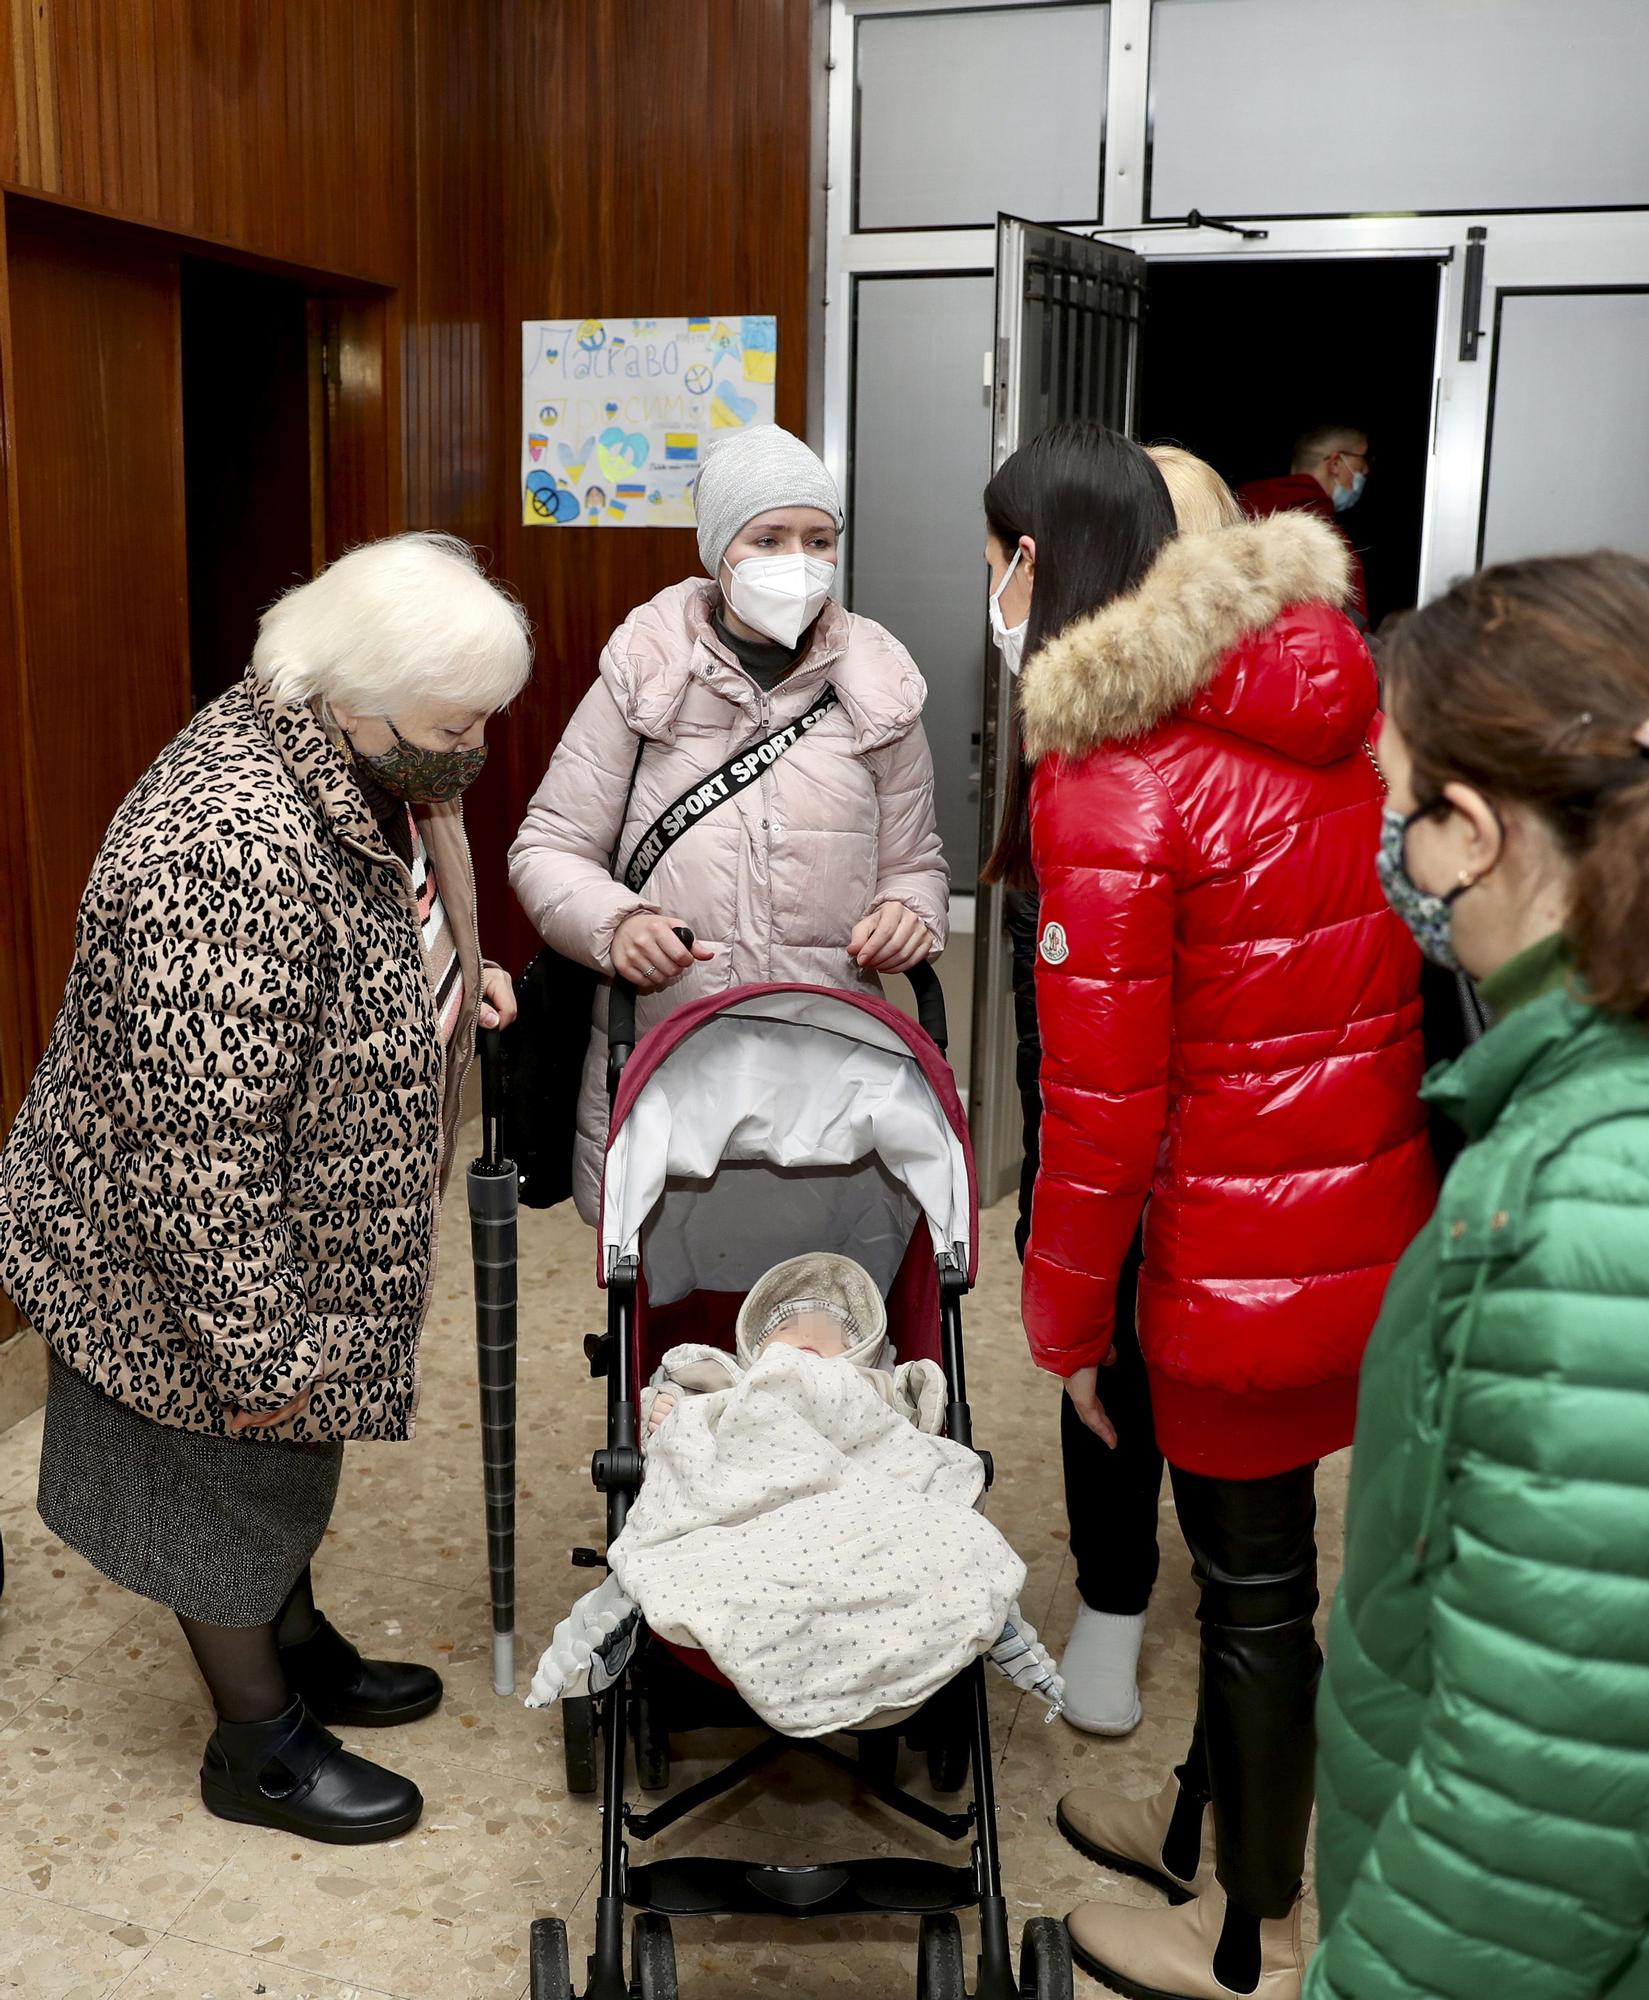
x: 774, y: 1119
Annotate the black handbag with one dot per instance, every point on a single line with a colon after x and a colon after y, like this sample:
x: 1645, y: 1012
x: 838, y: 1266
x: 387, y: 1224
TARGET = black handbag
x: 545, y: 1046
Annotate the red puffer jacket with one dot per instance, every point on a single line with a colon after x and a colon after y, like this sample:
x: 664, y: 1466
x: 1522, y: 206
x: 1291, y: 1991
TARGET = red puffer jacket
x: 1230, y: 1013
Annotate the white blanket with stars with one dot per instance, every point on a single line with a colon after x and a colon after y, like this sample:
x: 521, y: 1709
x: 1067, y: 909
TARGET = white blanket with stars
x: 825, y: 1553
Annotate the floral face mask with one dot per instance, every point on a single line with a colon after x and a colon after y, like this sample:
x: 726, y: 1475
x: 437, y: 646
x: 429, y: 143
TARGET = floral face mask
x: 1428, y: 916
x: 422, y: 777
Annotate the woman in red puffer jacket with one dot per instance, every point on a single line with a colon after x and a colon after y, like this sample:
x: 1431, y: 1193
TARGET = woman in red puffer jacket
x: 1230, y: 1022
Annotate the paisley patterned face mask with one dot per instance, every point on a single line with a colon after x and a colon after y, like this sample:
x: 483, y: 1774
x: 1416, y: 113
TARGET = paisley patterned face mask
x: 422, y: 777
x: 1428, y: 916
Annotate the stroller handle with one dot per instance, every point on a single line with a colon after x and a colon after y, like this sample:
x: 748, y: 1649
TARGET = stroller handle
x: 930, y: 1004
x: 925, y: 988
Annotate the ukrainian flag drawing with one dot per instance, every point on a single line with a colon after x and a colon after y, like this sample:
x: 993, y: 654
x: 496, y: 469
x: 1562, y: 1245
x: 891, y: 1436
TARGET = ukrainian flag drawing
x: 759, y: 336
x: 681, y: 447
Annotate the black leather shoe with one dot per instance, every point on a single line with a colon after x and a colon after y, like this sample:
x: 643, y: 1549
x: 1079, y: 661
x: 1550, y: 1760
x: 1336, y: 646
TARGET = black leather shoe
x: 292, y: 1774
x: 337, y: 1685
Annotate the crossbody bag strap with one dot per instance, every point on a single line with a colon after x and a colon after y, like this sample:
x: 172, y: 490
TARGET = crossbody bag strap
x: 624, y: 810
x: 706, y: 794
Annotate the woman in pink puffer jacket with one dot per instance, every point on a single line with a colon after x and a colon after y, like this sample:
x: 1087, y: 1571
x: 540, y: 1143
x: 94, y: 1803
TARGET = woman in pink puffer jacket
x: 827, y: 869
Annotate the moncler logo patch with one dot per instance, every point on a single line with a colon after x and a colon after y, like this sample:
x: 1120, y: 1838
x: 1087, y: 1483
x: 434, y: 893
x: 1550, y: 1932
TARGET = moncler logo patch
x: 1054, y: 947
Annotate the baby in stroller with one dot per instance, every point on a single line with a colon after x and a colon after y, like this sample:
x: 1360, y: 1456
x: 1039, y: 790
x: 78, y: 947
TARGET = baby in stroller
x: 808, y: 1441
x: 820, y: 1304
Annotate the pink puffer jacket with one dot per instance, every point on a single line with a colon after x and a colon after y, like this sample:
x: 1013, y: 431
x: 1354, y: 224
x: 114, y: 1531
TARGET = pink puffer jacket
x: 776, y: 877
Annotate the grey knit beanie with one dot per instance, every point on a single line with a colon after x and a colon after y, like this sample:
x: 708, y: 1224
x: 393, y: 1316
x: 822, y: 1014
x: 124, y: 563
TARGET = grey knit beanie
x: 749, y: 472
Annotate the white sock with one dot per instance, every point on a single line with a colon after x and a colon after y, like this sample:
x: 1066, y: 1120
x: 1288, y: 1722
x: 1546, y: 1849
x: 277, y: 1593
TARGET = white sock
x: 1100, y: 1668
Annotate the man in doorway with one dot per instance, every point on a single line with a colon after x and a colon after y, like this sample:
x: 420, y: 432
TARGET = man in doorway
x: 1328, y: 472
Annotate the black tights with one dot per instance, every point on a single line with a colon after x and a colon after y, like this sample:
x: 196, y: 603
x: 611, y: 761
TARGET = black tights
x: 241, y: 1664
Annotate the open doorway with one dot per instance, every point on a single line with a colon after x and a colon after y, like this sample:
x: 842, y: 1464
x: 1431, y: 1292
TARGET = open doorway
x: 1242, y: 355
x: 254, y: 461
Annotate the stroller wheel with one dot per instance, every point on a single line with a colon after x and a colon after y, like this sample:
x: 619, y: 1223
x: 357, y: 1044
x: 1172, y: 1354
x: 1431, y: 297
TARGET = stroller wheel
x: 652, y: 1742
x: 879, y: 1755
x: 941, y: 1970
x: 578, y: 1744
x: 552, y: 1977
x: 1045, y: 1960
x: 948, y: 1761
x: 652, y: 1958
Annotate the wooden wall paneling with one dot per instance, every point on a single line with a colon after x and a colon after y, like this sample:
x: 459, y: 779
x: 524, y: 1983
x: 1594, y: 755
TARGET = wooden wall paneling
x: 280, y: 130
x: 451, y: 396
x: 687, y: 191
x: 28, y: 112
x: 457, y: 453
x: 19, y: 1035
x: 97, y: 442
x: 363, y: 434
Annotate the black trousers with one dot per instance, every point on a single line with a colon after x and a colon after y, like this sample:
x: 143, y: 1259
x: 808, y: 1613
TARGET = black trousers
x: 1111, y: 1496
x: 1254, y: 1558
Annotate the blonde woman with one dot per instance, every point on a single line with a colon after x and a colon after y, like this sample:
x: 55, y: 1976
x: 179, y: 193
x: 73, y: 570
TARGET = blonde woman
x: 1202, y: 500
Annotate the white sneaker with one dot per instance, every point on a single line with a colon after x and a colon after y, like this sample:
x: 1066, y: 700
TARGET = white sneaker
x: 1100, y: 1666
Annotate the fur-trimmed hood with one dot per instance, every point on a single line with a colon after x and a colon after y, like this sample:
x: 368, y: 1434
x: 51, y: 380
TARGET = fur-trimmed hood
x: 1240, y: 629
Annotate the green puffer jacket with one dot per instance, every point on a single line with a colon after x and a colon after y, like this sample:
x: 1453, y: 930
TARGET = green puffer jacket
x: 1484, y: 1777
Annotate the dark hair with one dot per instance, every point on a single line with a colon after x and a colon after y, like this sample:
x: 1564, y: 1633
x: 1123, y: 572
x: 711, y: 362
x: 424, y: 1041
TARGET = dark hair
x: 1530, y: 682
x: 1098, y: 511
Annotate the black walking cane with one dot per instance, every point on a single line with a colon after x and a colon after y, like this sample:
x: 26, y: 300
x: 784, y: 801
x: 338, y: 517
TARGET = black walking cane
x: 494, y: 1188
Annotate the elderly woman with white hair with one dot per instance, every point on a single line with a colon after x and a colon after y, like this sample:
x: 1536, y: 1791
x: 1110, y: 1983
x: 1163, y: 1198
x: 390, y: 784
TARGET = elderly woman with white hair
x: 218, y: 1203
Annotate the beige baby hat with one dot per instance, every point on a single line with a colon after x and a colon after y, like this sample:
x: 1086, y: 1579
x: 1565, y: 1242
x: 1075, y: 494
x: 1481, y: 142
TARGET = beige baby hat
x: 820, y: 1281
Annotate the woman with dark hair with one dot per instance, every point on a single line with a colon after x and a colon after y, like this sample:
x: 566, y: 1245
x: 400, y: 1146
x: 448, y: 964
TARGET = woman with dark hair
x: 1231, y: 1048
x: 1484, y: 1823
x: 1113, y: 1480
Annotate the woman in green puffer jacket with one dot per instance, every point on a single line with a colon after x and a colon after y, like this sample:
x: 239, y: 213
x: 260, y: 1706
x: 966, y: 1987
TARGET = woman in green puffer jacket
x: 1484, y: 1779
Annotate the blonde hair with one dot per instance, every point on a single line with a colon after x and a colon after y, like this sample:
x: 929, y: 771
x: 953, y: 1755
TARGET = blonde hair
x: 1202, y: 500
x: 407, y: 619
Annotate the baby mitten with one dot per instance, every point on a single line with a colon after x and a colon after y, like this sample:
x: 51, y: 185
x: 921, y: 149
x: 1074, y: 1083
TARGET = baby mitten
x: 589, y: 1647
x: 921, y: 1394
x: 1021, y: 1655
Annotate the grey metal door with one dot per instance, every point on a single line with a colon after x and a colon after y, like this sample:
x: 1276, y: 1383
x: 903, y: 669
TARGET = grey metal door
x: 1069, y: 312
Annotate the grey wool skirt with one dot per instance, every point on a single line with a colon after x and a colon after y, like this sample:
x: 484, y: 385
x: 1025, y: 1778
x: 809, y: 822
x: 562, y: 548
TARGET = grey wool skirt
x: 218, y: 1529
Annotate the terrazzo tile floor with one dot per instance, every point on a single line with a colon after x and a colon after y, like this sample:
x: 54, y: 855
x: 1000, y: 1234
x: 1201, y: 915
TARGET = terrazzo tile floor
x: 114, y: 1879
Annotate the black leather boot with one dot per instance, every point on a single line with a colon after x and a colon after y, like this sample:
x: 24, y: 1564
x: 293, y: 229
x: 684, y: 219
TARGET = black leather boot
x: 1254, y: 1556
x: 292, y: 1774
x: 337, y: 1685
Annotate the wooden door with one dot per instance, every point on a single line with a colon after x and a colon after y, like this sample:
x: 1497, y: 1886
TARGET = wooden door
x: 102, y: 579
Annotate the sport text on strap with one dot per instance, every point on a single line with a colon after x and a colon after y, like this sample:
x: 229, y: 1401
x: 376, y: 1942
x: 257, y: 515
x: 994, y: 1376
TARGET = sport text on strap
x: 715, y: 790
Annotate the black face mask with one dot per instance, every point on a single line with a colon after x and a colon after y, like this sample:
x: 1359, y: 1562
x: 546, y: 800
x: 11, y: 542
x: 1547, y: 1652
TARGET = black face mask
x: 421, y: 777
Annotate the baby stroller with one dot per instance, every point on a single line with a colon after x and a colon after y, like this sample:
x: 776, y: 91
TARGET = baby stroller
x: 845, y: 1132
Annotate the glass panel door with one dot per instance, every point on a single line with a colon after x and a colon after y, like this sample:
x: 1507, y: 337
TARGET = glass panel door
x: 1069, y: 311
x: 1568, y: 423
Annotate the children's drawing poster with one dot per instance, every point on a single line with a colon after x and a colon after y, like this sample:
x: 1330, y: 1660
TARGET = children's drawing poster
x: 616, y: 414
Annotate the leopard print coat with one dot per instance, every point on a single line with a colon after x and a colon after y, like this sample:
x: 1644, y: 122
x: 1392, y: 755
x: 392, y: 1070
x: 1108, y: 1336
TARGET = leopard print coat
x: 223, y: 1185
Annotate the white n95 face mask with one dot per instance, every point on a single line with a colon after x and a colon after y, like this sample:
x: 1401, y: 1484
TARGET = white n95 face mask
x: 779, y: 596
x: 1010, y: 640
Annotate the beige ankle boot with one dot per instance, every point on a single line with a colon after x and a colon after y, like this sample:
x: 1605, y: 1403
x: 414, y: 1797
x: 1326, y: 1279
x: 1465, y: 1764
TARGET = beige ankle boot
x: 1127, y: 1834
x: 1169, y: 1954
